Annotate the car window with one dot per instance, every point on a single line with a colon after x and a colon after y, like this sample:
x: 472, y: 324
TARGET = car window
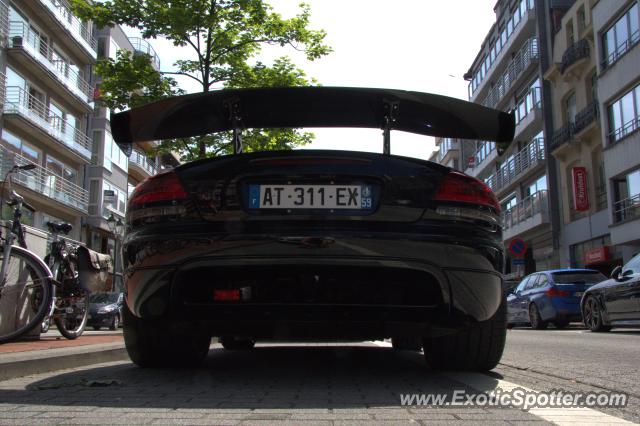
x: 542, y: 281
x: 522, y: 284
x: 532, y: 282
x: 633, y: 265
x: 571, y: 277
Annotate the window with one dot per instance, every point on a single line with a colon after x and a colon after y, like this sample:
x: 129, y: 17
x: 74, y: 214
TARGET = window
x: 510, y: 203
x: 117, y: 156
x: 539, y: 184
x: 621, y: 37
x: 569, y: 30
x: 592, y: 86
x: 543, y: 281
x: 531, y: 282
x: 118, y: 205
x: 627, y: 196
x: 570, y: 110
x: 633, y: 266
x: 528, y: 100
x: 624, y: 115
x: 582, y: 20
x: 20, y: 147
x: 58, y: 178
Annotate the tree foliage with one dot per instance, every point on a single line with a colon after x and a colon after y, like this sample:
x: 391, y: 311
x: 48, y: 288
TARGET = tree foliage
x: 224, y: 37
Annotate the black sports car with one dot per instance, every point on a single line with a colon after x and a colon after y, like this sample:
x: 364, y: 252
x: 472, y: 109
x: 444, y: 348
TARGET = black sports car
x: 313, y: 244
x: 616, y: 301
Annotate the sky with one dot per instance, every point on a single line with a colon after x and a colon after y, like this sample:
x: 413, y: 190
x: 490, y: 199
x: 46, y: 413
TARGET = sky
x: 419, y: 45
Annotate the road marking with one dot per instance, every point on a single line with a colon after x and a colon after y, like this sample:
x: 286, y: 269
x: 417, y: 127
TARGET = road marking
x: 560, y: 416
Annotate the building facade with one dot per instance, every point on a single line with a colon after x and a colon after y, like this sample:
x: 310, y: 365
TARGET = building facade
x: 454, y: 153
x: 507, y: 74
x: 46, y: 55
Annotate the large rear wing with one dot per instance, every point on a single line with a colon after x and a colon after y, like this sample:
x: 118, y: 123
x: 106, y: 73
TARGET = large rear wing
x: 297, y: 107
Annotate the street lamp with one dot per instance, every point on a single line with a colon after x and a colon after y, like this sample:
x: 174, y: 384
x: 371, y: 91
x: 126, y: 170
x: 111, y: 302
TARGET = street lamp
x: 117, y: 229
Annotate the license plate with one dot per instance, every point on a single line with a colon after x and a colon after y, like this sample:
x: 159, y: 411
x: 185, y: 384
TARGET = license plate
x: 333, y: 197
x: 578, y: 293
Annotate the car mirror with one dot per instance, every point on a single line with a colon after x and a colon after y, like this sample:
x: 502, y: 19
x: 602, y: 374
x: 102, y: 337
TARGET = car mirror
x: 615, y: 274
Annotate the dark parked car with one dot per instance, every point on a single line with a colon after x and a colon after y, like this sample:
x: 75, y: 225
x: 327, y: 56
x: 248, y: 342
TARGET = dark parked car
x: 313, y: 244
x: 550, y: 296
x: 616, y: 301
x: 105, y: 310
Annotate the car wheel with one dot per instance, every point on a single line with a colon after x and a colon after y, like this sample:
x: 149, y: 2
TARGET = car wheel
x: 153, y: 343
x: 232, y: 343
x: 534, y: 318
x: 114, y: 323
x: 407, y: 343
x: 592, y: 316
x: 478, y: 348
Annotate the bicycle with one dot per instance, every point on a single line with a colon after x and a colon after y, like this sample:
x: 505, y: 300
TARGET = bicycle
x: 27, y: 285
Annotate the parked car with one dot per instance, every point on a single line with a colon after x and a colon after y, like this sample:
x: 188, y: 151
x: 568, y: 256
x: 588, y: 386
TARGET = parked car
x: 550, y: 297
x: 105, y: 310
x: 614, y: 302
x: 313, y: 244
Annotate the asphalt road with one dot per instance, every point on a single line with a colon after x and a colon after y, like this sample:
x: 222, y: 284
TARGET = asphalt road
x: 331, y: 384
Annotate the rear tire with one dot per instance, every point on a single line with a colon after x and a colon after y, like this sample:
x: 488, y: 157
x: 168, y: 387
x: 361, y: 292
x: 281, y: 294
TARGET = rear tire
x: 592, y: 316
x: 534, y: 318
x: 152, y: 343
x: 478, y: 348
x: 27, y: 285
x: 232, y: 343
x: 407, y: 343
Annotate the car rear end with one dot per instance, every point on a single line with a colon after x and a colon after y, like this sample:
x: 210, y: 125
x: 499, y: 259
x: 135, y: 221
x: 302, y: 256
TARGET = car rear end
x: 567, y: 289
x: 314, y: 244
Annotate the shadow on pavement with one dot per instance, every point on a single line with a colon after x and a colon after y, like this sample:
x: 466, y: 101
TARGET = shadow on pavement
x: 266, y: 377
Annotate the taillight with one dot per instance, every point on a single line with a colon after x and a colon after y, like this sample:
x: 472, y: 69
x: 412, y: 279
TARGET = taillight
x: 161, y: 187
x: 457, y: 186
x: 226, y: 295
x: 554, y: 292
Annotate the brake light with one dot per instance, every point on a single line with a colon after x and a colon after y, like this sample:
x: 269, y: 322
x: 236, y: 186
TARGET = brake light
x: 161, y: 187
x: 457, y: 186
x: 226, y: 295
x: 554, y: 292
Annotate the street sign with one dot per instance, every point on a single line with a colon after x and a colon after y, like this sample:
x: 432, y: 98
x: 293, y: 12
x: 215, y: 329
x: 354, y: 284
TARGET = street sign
x: 518, y: 261
x: 109, y: 196
x: 517, y: 247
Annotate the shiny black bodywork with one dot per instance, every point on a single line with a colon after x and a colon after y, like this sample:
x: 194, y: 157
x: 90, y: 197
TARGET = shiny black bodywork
x: 401, y: 268
x: 619, y: 296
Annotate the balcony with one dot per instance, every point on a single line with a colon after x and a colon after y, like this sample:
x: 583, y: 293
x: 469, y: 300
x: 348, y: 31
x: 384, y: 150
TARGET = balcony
x: 482, y: 157
x: 447, y: 147
x: 45, y: 182
x: 518, y: 166
x: 30, y: 49
x: 528, y: 112
x: 626, y: 209
x: 517, y: 68
x: 626, y: 215
x: 574, y: 56
x: 25, y: 106
x: 582, y: 123
x: 140, y: 165
x: 525, y: 216
x: 58, y: 17
x: 621, y: 50
x: 142, y: 46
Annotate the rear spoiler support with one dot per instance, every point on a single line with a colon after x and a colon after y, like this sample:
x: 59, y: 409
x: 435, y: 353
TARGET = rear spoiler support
x: 390, y: 118
x: 233, y: 108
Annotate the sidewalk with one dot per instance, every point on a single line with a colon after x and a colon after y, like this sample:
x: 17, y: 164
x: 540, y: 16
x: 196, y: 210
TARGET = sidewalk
x: 54, y: 352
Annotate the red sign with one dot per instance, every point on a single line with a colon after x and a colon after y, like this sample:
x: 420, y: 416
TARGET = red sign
x: 597, y: 255
x: 471, y: 162
x: 517, y: 247
x: 580, y: 192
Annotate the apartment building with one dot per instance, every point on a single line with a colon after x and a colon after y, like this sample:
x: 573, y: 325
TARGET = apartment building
x: 616, y: 36
x: 454, y: 153
x: 507, y: 74
x: 577, y: 145
x: 46, y: 54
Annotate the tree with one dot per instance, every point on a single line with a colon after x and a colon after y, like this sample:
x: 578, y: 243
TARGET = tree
x: 225, y: 36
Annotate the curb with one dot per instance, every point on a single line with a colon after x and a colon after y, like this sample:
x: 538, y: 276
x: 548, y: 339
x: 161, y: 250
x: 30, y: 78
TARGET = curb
x: 18, y: 365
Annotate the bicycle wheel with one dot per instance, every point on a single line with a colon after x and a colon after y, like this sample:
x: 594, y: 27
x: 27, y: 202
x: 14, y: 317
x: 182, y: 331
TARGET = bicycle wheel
x: 25, y: 296
x: 72, y: 309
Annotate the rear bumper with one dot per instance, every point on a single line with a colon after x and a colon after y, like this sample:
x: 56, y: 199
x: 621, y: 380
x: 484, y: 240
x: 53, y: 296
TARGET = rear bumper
x: 417, y: 287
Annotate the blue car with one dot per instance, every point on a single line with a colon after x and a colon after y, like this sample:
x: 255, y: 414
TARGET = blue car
x: 550, y: 296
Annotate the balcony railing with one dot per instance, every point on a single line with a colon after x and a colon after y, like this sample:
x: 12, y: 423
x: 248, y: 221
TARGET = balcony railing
x: 575, y: 52
x: 625, y: 130
x: 525, y: 56
x: 82, y: 30
x: 44, y: 181
x: 534, y: 204
x: 141, y: 45
x: 21, y: 35
x: 582, y: 120
x: 527, y: 158
x: 18, y: 101
x: 486, y: 148
x: 4, y: 22
x: 626, y: 209
x: 142, y: 161
x: 621, y: 49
